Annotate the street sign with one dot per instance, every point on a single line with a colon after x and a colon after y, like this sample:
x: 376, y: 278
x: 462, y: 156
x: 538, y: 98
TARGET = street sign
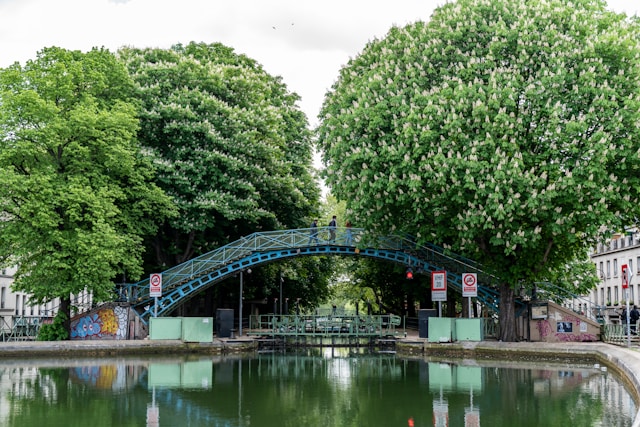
x: 155, y: 285
x: 469, y: 285
x: 439, y: 286
x: 625, y: 276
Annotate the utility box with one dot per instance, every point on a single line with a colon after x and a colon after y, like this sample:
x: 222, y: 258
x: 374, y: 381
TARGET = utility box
x: 423, y: 321
x: 224, y: 322
x: 197, y: 329
x: 469, y: 330
x: 442, y: 329
x: 165, y: 328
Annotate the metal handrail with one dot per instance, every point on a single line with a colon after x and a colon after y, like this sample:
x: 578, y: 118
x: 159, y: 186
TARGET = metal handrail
x: 294, y: 239
x: 561, y: 296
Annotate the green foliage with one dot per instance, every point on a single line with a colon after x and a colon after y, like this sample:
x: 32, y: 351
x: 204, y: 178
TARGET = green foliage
x: 75, y: 194
x: 479, y: 146
x: 231, y: 146
x: 504, y: 130
x: 55, y: 331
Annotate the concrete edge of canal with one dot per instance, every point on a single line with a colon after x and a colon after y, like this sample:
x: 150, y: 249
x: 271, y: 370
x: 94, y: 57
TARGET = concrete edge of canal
x: 625, y: 361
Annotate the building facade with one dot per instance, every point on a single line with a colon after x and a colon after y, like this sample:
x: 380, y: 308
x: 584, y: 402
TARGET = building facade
x: 609, y: 257
x: 19, y: 318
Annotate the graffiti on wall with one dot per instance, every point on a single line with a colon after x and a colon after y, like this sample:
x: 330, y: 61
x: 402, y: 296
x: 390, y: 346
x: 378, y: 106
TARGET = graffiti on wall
x: 564, y: 330
x: 106, y: 323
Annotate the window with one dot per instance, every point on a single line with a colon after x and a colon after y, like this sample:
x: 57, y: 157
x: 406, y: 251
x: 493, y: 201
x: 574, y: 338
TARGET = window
x: 602, y: 301
x: 608, y: 269
x: 17, y: 305
x: 616, y: 300
x: 3, y: 297
x: 609, y: 296
x: 631, y: 266
x: 615, y: 267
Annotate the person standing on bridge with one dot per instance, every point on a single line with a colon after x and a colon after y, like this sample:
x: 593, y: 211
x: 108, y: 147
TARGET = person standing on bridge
x: 634, y: 316
x: 348, y: 236
x: 332, y: 229
x: 313, y: 233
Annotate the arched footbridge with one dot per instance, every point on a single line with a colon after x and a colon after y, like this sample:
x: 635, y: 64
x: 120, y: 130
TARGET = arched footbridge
x: 185, y: 280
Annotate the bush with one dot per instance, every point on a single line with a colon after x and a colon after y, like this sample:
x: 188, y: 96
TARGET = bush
x: 54, y: 331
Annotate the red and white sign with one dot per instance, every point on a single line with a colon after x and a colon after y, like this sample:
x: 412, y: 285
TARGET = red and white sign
x: 439, y: 286
x: 155, y: 285
x: 471, y: 417
x: 625, y: 276
x: 469, y: 285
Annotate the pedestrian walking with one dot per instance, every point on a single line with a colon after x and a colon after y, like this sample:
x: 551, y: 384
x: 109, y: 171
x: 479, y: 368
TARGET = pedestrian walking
x: 332, y: 229
x: 313, y: 233
x: 348, y: 237
x: 634, y: 316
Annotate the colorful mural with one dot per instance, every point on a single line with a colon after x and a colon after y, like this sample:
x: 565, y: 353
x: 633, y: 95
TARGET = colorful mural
x: 106, y: 323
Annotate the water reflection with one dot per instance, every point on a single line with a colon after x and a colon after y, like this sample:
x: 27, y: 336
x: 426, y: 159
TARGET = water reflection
x: 318, y: 387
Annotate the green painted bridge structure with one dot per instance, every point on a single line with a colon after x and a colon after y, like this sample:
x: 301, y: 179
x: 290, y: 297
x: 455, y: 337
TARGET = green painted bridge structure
x: 183, y: 281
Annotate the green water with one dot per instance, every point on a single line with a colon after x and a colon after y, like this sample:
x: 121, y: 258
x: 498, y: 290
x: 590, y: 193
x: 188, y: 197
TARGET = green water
x: 319, y: 387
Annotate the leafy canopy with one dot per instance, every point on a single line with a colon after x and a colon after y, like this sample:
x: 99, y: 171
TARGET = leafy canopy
x: 231, y: 146
x: 505, y: 130
x: 75, y: 195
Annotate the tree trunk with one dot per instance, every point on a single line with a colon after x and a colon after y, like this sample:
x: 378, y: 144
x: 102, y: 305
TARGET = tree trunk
x: 65, y: 308
x: 507, y: 314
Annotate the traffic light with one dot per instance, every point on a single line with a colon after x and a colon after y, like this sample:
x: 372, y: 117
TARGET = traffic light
x: 409, y: 274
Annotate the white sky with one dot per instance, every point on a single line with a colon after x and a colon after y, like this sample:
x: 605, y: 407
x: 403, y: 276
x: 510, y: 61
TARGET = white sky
x: 306, y: 42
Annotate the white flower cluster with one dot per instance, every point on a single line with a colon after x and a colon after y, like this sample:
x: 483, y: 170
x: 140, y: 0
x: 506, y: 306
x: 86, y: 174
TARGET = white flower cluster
x: 511, y: 124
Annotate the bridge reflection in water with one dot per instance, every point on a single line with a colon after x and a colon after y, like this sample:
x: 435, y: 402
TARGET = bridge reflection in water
x: 308, y: 387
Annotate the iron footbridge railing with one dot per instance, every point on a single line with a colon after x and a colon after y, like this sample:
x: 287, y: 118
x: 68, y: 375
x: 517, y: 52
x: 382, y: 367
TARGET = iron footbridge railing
x: 358, y: 326
x: 184, y: 280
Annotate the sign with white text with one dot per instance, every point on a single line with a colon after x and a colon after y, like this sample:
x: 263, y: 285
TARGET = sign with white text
x: 439, y: 286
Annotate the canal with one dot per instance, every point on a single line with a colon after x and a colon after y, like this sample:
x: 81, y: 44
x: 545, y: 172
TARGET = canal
x: 328, y: 387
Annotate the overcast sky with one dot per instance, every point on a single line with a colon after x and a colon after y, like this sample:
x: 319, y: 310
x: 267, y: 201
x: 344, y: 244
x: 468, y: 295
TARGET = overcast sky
x: 304, y: 41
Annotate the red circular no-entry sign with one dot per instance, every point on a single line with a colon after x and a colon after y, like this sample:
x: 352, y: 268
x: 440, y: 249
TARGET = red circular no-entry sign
x: 469, y: 285
x: 155, y: 285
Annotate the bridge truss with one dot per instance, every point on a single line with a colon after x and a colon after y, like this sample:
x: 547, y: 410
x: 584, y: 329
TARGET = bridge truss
x: 185, y: 280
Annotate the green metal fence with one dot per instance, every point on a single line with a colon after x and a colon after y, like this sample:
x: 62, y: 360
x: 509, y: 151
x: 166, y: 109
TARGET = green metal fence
x: 324, y: 325
x: 20, y: 328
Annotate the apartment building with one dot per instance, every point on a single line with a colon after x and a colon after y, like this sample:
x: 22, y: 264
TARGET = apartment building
x: 609, y: 257
x: 19, y: 317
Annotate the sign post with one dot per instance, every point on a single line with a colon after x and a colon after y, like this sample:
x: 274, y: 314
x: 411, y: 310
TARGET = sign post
x: 469, y: 287
x: 155, y: 290
x: 439, y: 288
x: 625, y: 286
